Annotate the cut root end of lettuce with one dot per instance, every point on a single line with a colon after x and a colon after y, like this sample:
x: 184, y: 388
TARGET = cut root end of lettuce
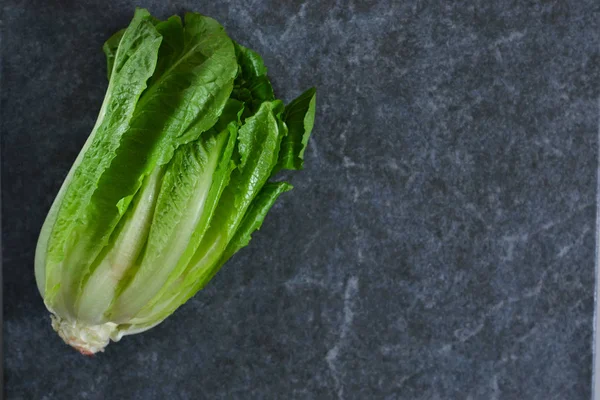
x: 176, y: 175
x: 87, y: 339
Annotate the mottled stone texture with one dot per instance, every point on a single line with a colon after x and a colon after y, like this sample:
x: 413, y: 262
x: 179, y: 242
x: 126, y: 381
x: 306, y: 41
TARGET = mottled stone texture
x: 438, y: 245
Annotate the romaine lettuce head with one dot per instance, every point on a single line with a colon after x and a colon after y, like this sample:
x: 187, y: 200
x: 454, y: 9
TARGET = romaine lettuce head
x: 174, y: 178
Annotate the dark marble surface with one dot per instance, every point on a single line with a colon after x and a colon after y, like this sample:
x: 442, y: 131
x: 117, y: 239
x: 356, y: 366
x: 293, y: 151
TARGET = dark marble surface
x: 439, y: 244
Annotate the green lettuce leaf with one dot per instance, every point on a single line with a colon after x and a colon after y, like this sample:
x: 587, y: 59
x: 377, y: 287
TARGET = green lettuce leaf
x: 71, y: 216
x: 110, y: 50
x: 252, y: 86
x: 254, y: 217
x: 299, y: 116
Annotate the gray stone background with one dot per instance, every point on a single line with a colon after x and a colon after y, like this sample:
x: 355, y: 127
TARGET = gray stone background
x: 438, y: 245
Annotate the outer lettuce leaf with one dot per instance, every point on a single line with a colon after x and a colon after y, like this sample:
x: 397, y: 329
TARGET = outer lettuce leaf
x: 69, y: 221
x: 254, y: 217
x: 172, y: 46
x: 299, y: 116
x: 110, y: 50
x: 259, y: 141
x: 251, y: 222
x: 251, y: 63
x: 112, y: 44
